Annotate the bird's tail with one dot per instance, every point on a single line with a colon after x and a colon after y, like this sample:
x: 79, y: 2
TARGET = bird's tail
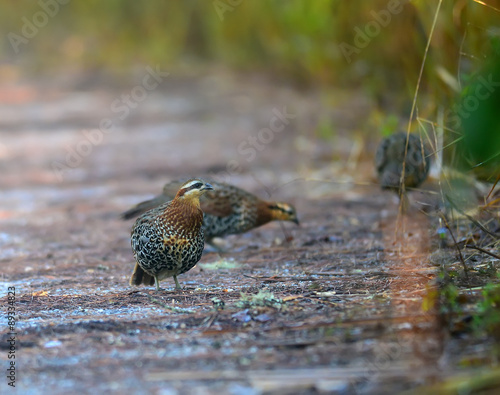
x: 139, y: 277
x: 142, y: 207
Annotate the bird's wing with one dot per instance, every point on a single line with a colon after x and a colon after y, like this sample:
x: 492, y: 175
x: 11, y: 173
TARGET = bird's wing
x: 142, y: 207
x: 214, y: 204
x: 381, y: 155
x: 170, y: 189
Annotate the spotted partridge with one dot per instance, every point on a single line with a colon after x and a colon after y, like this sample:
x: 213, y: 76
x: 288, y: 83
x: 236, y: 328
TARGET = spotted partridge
x: 168, y: 240
x: 228, y: 209
x: 392, y: 153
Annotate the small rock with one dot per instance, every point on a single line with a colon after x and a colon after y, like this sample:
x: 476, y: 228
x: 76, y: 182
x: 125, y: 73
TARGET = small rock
x: 242, y: 316
x: 52, y: 344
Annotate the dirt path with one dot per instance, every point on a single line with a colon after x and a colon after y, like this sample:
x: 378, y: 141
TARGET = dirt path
x: 332, y: 306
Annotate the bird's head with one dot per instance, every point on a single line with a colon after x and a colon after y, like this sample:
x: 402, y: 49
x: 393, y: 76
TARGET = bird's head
x: 283, y: 212
x: 192, y: 189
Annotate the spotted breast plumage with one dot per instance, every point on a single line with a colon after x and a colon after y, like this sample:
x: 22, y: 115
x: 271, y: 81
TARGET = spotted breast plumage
x: 168, y: 240
x: 228, y: 209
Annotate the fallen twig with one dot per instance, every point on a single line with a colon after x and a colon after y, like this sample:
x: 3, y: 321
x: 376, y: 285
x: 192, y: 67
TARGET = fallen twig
x: 483, y: 250
x: 456, y: 245
x: 279, y: 279
x: 474, y: 221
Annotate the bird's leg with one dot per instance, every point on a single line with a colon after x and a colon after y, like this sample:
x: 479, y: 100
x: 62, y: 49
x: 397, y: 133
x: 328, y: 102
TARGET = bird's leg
x: 157, y: 283
x: 177, y: 285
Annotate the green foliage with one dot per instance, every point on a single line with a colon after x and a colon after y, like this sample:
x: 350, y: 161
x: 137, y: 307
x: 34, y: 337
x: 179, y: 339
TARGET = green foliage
x: 263, y: 298
x: 488, y: 315
x: 480, y: 122
x: 298, y: 37
x: 450, y: 303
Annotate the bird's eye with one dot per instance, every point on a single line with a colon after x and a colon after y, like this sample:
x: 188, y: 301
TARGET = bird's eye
x: 198, y: 185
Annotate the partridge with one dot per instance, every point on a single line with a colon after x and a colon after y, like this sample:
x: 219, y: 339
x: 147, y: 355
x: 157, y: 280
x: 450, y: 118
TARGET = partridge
x: 228, y: 209
x: 168, y: 240
x: 394, y: 152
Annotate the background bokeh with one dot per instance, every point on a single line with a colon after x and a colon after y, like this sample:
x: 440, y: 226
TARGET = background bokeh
x: 301, y: 43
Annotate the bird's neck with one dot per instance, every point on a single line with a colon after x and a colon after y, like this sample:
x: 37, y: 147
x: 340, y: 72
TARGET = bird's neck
x: 186, y: 214
x: 188, y: 202
x: 264, y: 213
x: 189, y: 206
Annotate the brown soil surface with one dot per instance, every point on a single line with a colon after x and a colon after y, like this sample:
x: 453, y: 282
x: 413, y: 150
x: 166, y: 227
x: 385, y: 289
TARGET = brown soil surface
x: 331, y: 306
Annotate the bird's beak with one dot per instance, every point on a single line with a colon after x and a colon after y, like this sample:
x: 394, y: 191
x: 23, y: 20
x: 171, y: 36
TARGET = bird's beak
x: 296, y: 220
x: 207, y: 187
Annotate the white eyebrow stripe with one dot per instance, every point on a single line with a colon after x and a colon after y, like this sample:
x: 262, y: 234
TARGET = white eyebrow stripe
x: 191, y: 183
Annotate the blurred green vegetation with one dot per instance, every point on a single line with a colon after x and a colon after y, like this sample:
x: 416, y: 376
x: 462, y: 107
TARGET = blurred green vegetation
x: 477, y: 111
x: 293, y: 38
x: 298, y: 41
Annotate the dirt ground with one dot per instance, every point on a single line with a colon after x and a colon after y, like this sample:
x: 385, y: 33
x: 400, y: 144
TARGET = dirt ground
x: 331, y: 306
